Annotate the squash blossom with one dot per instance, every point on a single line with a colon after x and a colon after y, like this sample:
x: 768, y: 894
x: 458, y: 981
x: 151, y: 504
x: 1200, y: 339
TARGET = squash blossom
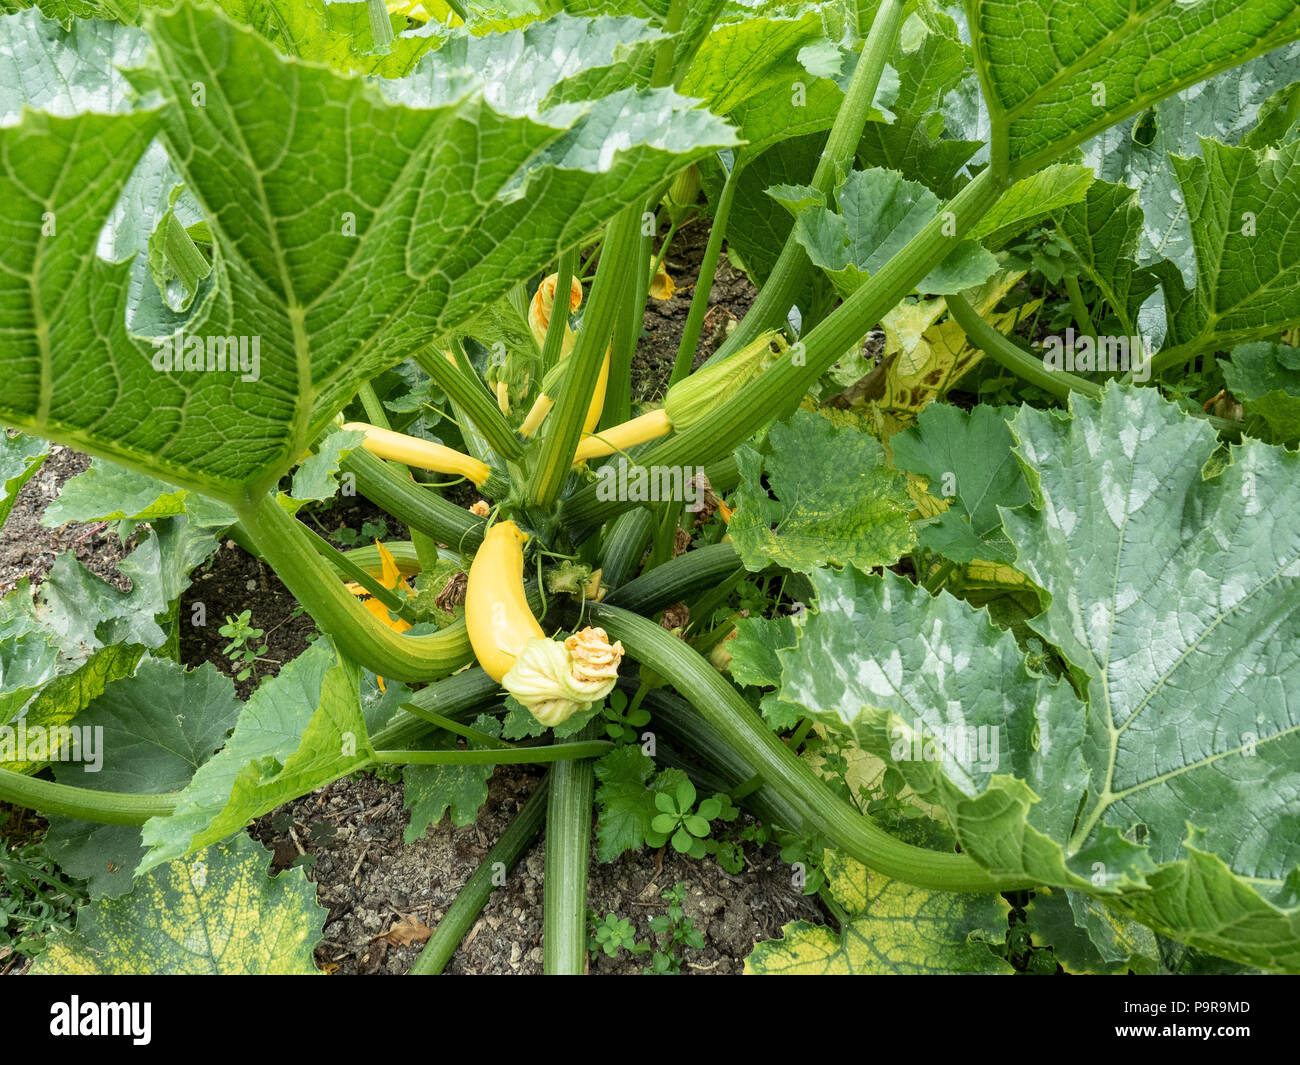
x: 391, y: 578
x: 555, y: 681
x: 539, y: 319
x: 661, y: 285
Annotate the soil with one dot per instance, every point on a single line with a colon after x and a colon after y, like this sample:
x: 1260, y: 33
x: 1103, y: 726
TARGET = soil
x: 351, y: 831
x: 729, y: 299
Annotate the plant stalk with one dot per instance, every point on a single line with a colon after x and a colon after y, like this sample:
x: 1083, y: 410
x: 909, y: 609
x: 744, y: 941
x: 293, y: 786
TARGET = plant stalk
x: 777, y: 390
x: 568, y: 844
x: 286, y: 546
x: 563, y: 426
x: 83, y: 804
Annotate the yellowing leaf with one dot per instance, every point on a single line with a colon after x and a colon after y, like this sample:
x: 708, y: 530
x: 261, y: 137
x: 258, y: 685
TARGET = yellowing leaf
x: 216, y: 912
x: 891, y: 928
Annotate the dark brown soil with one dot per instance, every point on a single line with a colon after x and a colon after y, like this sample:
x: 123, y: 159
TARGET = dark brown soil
x: 352, y: 830
x: 665, y: 320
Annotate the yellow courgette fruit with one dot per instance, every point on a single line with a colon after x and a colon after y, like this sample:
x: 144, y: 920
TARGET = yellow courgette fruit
x: 413, y: 451
x: 497, y: 615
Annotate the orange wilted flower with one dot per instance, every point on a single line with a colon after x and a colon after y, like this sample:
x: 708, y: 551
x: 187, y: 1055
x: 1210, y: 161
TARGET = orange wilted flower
x: 390, y: 577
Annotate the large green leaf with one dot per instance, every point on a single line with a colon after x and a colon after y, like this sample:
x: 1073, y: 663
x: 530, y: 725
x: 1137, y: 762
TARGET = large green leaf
x: 836, y: 501
x: 217, y: 913
x: 1242, y: 205
x: 159, y: 726
x: 1136, y: 153
x: 1174, y: 598
x: 457, y: 188
x: 892, y: 928
x: 1055, y: 72
x: 299, y: 731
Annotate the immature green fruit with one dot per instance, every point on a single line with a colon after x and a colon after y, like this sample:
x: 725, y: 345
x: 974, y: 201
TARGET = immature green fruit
x: 691, y: 398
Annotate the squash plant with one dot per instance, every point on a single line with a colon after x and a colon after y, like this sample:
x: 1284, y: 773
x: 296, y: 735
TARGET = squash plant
x: 1097, y: 588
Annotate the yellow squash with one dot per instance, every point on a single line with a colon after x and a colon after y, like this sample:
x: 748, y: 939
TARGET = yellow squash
x: 497, y: 615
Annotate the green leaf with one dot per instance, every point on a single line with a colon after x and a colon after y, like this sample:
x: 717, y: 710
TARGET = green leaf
x: 1086, y: 937
x: 1248, y: 283
x: 755, y: 232
x: 283, y: 191
x: 913, y: 143
x: 878, y: 212
x: 109, y: 492
x: 300, y: 730
x: 1103, y: 232
x: 966, y: 457
x: 1030, y: 200
x: 20, y: 458
x: 1266, y: 379
x: 629, y: 795
x: 215, y: 913
x: 836, y: 503
x: 892, y: 929
x: 753, y: 651
x: 317, y: 477
x: 158, y: 726
x: 752, y: 71
x: 431, y: 790
x: 1136, y: 153
x: 1058, y: 71
x: 930, y: 685
x: 1173, y: 810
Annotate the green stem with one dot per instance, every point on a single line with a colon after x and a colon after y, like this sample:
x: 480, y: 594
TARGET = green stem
x: 704, y: 283
x: 1080, y: 309
x: 842, y: 825
x: 556, y: 752
x: 470, y: 396
x: 568, y: 845
x: 778, y: 390
x: 471, y: 899
x: 183, y: 254
x: 456, y: 728
x: 286, y: 546
x: 348, y: 569
x: 676, y: 578
x: 453, y: 698
x: 82, y: 804
x: 554, y: 341
x: 662, y: 74
x: 792, y: 269
x: 563, y: 426
x: 421, y: 508
x: 1010, y: 356
x: 627, y: 331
